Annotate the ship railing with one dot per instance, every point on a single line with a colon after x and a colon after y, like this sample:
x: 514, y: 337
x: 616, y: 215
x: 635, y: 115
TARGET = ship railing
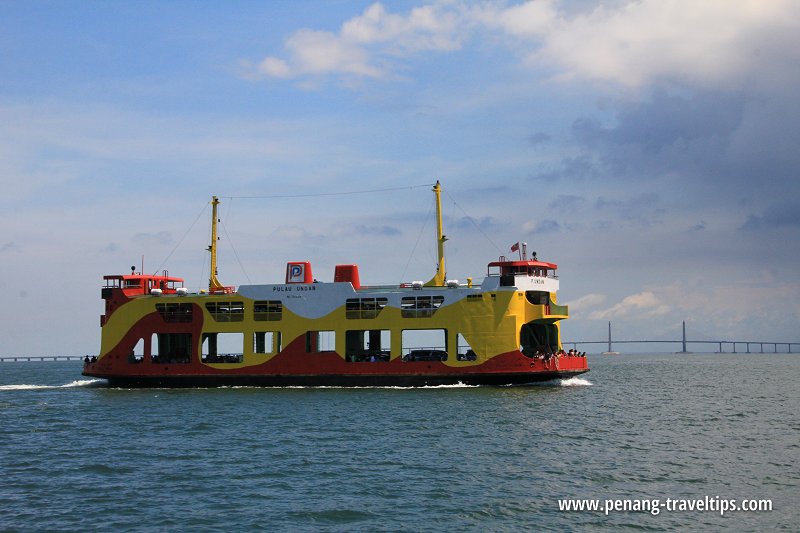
x: 497, y: 275
x: 227, y: 289
x: 476, y: 283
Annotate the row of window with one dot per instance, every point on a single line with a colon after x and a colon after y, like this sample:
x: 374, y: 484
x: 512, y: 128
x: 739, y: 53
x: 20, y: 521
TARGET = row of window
x: 360, y: 346
x: 272, y: 310
x: 355, y: 308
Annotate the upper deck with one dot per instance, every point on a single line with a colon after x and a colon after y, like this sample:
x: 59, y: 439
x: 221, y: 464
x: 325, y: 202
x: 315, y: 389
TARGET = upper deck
x: 142, y: 284
x: 525, y: 275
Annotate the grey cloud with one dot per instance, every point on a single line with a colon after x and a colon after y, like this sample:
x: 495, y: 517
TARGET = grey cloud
x: 539, y: 138
x: 571, y: 168
x: 385, y: 231
x: 778, y: 216
x: 469, y: 223
x: 665, y: 120
x: 153, y: 239
x: 700, y: 226
x: 714, y: 146
x: 547, y: 226
x: 567, y: 201
x: 642, y: 201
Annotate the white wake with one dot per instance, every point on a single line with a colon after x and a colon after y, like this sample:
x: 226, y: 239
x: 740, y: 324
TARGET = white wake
x: 76, y: 383
x: 575, y: 382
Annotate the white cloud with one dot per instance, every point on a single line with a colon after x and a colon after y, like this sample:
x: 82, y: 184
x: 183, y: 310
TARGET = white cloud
x: 580, y: 306
x: 320, y: 52
x: 644, y: 304
x: 431, y: 27
x: 530, y: 19
x: 277, y: 68
x: 705, y: 42
x: 363, y: 43
x: 632, y: 43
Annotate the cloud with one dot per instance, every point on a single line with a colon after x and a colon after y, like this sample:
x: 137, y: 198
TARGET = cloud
x: 777, y: 216
x: 162, y: 238
x: 471, y: 223
x: 539, y: 138
x: 578, y: 167
x: 581, y: 306
x: 644, y: 304
x: 567, y: 202
x: 430, y: 27
x: 530, y: 20
x: 365, y: 45
x: 383, y: 231
x: 633, y: 43
x: 10, y: 247
x: 629, y: 43
x: 700, y: 226
x: 319, y: 53
x: 542, y: 226
x: 665, y: 119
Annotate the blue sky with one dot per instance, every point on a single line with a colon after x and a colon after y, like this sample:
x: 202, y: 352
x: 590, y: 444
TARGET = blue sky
x: 649, y: 148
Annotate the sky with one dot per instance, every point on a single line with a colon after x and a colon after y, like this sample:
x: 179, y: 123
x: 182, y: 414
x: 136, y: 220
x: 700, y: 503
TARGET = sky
x: 650, y: 148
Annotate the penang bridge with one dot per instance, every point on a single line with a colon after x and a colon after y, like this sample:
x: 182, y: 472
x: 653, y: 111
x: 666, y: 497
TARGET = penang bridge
x: 758, y: 346
x: 11, y: 358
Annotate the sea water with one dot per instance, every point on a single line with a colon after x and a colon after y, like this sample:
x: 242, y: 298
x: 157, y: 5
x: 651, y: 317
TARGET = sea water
x: 78, y: 456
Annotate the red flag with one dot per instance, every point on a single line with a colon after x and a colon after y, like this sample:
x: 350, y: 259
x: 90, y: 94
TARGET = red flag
x: 515, y: 247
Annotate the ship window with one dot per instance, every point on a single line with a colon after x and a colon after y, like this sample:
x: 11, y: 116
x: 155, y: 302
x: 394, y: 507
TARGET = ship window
x: 320, y: 341
x: 464, y: 350
x: 475, y: 297
x: 226, y: 311
x: 171, y: 348
x: 130, y: 283
x: 424, y: 345
x: 174, y: 312
x: 137, y: 353
x: 222, y: 348
x: 362, y: 345
x: 420, y: 306
x: 264, y: 341
x: 267, y: 310
x: 538, y: 297
x: 364, y: 307
x: 138, y: 349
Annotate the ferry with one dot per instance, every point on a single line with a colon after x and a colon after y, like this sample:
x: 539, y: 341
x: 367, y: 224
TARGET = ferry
x: 301, y: 332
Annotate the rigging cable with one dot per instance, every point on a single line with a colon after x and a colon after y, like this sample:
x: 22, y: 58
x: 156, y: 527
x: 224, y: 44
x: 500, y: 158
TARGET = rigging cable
x: 411, y: 255
x: 309, y: 195
x: 182, y: 239
x: 230, y: 242
x: 473, y: 222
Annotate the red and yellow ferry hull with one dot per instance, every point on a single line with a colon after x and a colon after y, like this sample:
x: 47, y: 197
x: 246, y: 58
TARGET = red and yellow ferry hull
x: 330, y: 370
x: 489, y: 334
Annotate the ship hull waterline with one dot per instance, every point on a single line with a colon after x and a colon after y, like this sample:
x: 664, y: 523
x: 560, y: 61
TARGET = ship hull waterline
x: 335, y: 380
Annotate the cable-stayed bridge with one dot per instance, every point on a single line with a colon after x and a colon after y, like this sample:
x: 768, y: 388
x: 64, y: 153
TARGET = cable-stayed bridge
x: 11, y: 358
x: 722, y: 346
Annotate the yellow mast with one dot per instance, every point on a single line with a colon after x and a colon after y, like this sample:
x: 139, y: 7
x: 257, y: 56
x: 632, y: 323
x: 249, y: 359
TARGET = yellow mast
x: 213, y: 282
x: 438, y: 279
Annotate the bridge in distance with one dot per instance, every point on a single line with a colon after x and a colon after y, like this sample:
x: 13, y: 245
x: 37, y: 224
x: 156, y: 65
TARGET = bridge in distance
x: 777, y: 347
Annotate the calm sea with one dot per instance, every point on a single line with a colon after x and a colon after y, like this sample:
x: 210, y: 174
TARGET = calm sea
x: 76, y: 456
